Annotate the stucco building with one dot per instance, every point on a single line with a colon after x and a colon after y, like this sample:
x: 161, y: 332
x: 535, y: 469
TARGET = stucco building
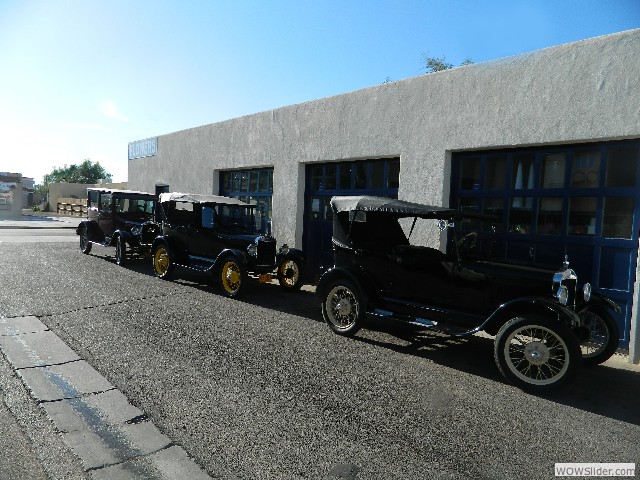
x: 549, y: 141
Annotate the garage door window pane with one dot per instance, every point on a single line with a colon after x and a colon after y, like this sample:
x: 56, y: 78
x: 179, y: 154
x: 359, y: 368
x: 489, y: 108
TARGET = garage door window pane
x: 377, y: 175
x: 470, y: 173
x: 582, y: 216
x: 496, y: 173
x: 523, y: 173
x: 345, y: 176
x: 618, y: 217
x: 520, y: 215
x: 585, y: 171
x: 330, y: 176
x: 393, y: 174
x: 550, y: 216
x: 622, y: 165
x: 553, y: 166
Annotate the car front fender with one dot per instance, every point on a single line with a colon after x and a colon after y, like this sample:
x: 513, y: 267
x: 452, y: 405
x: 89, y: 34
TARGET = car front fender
x: 598, y: 300
x: 527, y: 307
x: 241, y: 256
x: 291, y: 253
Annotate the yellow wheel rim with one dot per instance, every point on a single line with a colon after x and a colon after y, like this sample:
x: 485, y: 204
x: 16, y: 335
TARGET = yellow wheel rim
x: 161, y: 261
x: 294, y: 272
x: 231, y: 277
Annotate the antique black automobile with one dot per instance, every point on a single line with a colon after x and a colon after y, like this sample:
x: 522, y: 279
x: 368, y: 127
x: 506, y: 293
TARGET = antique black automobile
x: 546, y: 325
x: 219, y: 234
x: 119, y: 218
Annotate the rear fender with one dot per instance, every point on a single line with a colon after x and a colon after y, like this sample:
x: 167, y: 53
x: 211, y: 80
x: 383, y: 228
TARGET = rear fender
x: 528, y: 307
x: 93, y: 231
x: 354, y: 275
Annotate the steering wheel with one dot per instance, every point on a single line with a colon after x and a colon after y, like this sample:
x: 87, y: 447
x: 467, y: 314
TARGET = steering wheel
x: 468, y: 241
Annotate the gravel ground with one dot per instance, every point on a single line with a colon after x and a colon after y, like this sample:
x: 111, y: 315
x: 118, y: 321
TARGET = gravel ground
x: 260, y: 388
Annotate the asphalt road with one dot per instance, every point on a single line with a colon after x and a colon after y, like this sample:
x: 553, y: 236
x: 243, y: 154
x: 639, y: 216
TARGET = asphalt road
x: 260, y: 388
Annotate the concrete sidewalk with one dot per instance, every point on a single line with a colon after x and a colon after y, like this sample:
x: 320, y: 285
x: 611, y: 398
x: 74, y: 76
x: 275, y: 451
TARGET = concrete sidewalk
x: 41, y: 220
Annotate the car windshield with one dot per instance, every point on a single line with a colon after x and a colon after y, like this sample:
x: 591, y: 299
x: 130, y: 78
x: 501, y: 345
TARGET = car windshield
x: 134, y: 206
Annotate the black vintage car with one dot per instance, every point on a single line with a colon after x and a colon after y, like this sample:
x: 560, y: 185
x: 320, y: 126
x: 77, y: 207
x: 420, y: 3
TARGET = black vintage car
x: 123, y: 219
x: 219, y: 234
x: 546, y: 325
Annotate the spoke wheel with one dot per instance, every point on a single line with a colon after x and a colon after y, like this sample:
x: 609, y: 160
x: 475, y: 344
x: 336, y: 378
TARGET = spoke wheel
x: 232, y: 277
x: 162, y: 262
x: 537, y: 355
x: 85, y: 244
x: 121, y: 251
x: 343, y: 307
x: 603, y: 335
x: 290, y: 274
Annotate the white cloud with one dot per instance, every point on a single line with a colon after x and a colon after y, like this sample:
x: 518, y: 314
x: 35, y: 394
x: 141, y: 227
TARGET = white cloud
x: 110, y: 110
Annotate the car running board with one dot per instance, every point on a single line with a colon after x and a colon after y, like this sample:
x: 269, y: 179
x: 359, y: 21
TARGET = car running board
x: 450, y: 330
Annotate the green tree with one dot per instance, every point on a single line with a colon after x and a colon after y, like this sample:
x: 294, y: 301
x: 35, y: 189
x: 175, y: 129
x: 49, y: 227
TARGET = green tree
x: 86, y: 172
x: 435, y: 64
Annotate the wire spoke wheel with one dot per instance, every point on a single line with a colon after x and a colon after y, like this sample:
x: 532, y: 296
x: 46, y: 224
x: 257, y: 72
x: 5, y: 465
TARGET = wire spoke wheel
x: 537, y: 355
x: 85, y: 244
x: 121, y: 251
x: 232, y: 277
x: 343, y: 307
x: 601, y: 336
x: 161, y: 261
x: 290, y: 274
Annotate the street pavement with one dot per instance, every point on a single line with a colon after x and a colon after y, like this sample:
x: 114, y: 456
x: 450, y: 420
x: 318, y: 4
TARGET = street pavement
x: 260, y: 388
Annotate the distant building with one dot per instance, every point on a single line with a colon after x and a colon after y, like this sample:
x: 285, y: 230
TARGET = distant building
x: 16, y: 193
x: 548, y: 141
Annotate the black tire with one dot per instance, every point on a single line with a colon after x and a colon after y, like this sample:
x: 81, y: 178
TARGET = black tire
x: 232, y: 276
x: 162, y: 259
x: 603, y: 336
x: 85, y: 244
x: 121, y: 251
x: 537, y: 355
x: 343, y: 307
x: 290, y: 274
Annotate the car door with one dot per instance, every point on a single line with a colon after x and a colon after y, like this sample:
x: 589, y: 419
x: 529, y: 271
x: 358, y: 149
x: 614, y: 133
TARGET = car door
x: 105, y: 214
x: 204, y: 240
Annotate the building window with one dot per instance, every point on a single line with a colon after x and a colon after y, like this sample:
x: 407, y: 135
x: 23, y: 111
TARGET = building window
x: 252, y: 186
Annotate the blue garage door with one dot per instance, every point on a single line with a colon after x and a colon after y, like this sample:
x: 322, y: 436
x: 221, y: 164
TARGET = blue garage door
x: 580, y: 200
x: 323, y: 181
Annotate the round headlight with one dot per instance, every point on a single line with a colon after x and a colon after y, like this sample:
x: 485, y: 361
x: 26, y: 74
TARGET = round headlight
x: 137, y: 230
x: 586, y: 292
x: 562, y: 295
x: 252, y: 249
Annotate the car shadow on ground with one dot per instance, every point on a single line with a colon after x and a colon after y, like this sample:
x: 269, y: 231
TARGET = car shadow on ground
x: 611, y: 389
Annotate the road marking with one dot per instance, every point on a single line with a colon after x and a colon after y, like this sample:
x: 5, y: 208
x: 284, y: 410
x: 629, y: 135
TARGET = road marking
x: 112, y: 438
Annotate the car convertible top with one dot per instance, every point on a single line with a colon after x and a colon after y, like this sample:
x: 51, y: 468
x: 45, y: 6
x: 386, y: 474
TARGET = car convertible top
x: 197, y: 198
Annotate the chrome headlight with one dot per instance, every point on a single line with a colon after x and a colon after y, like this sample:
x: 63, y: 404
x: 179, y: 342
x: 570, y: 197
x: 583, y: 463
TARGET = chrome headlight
x: 284, y: 249
x: 586, y: 292
x: 562, y: 294
x: 252, y: 250
x: 137, y: 230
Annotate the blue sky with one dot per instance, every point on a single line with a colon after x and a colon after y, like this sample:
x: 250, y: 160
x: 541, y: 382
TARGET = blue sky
x: 81, y: 79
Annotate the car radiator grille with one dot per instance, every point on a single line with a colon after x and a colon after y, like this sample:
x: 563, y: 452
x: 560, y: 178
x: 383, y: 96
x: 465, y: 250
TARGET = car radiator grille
x: 266, y: 255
